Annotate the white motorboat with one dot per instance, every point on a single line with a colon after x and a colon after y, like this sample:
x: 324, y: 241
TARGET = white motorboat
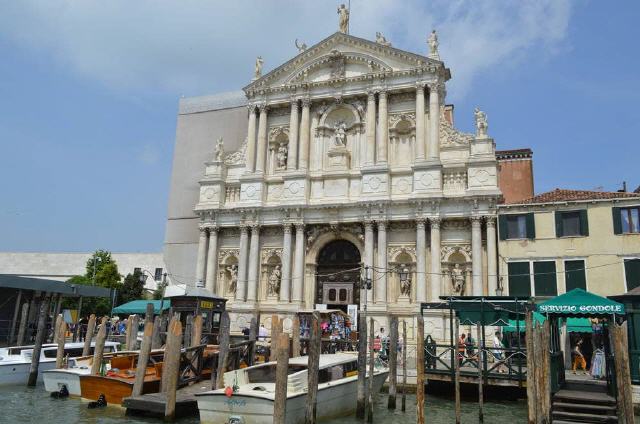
x: 15, y: 361
x: 252, y: 400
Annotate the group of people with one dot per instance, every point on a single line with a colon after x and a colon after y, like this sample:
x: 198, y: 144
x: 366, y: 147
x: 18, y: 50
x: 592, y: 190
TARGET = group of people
x: 115, y: 326
x: 467, y: 350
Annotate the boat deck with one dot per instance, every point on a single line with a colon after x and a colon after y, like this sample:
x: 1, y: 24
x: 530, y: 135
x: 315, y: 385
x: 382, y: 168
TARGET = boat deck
x: 153, y: 404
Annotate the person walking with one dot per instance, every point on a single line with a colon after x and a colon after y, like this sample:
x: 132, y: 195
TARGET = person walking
x: 498, y: 352
x: 578, y: 357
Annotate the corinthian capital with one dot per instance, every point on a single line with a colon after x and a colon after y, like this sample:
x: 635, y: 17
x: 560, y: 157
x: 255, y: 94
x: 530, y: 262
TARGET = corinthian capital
x: 306, y: 102
x: 263, y: 107
x: 435, y: 223
x: 491, y: 221
x: 476, y: 221
x: 252, y: 107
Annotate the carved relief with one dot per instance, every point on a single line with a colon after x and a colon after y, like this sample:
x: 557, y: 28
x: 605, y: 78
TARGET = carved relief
x: 447, y: 251
x: 269, y: 253
x: 237, y: 157
x: 338, y: 65
x: 315, y: 231
x: 454, y: 181
x: 449, y: 136
x: 394, y: 251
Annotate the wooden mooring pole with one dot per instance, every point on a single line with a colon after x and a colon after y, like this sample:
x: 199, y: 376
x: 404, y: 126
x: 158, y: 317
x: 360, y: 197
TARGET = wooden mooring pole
x: 531, y: 380
x: 456, y: 364
x: 480, y: 355
x: 295, y: 337
x: 253, y: 337
x: 393, y: 363
x: 171, y: 367
x: 148, y: 315
x: 362, y: 366
x: 313, y: 367
x: 98, y: 349
x: 40, y: 336
x: 156, y: 338
x: 274, y: 337
x: 404, y: 365
x: 369, y: 409
x: 619, y: 339
x: 143, y: 358
x: 282, y: 366
x: 420, y: 371
x: 60, y: 338
x: 196, y: 331
x: 91, y: 327
x: 132, y: 332
x: 223, y: 351
x: 24, y: 317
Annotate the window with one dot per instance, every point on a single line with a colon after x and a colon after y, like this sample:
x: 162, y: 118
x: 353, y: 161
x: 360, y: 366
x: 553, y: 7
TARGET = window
x: 632, y: 273
x: 332, y: 295
x: 574, y: 273
x: 544, y: 277
x: 572, y: 223
x: 158, y: 274
x: 343, y: 295
x: 517, y: 226
x: 626, y: 220
x: 519, y: 279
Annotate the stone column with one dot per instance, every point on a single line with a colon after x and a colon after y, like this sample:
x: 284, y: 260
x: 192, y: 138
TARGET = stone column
x: 262, y: 139
x: 436, y: 265
x: 368, y: 255
x: 421, y: 253
x: 202, y: 253
x: 434, y: 122
x: 476, y: 255
x: 298, y: 266
x: 303, y: 160
x: 492, y: 256
x: 381, y: 279
x: 241, y: 287
x: 212, y: 260
x: 251, y: 140
x: 254, y: 264
x: 292, y: 159
x: 383, y: 122
x: 285, y: 282
x: 371, y: 128
x: 420, y: 145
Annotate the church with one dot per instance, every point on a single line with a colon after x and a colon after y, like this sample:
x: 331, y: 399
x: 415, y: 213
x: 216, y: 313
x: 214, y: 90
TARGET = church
x: 336, y: 180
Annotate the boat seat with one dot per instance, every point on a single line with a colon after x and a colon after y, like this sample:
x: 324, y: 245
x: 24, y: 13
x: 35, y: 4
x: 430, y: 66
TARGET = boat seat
x: 122, y: 362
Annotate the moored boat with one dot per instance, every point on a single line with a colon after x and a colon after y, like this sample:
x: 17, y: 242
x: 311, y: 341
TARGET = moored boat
x: 253, y: 391
x: 15, y: 361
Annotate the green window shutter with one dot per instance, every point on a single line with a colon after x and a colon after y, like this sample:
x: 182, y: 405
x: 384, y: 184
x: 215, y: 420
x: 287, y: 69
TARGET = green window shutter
x: 502, y: 227
x: 575, y: 276
x: 544, y: 278
x: 519, y: 279
x: 632, y: 273
x: 617, y: 220
x: 558, y: 216
x: 531, y: 226
x: 584, y: 222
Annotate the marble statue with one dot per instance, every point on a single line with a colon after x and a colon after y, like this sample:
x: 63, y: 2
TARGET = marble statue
x: 219, y: 151
x: 433, y: 45
x: 380, y: 39
x: 457, y: 279
x: 281, y: 156
x: 481, y: 123
x: 340, y: 134
x: 274, y: 281
x: 233, y: 282
x: 344, y: 19
x: 258, y: 70
x: 405, y: 284
x: 301, y: 47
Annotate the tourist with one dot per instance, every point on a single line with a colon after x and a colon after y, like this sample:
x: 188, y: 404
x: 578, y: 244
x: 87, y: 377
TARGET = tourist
x: 470, y: 344
x: 430, y: 352
x: 262, y: 333
x: 461, y: 348
x: 578, y: 357
x: 498, y: 352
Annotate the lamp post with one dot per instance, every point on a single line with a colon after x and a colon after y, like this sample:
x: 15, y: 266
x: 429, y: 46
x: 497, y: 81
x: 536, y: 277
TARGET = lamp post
x: 93, y: 278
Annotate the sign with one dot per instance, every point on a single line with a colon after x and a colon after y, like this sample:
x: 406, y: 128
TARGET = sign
x: 321, y: 306
x: 205, y: 304
x: 352, y: 310
x: 584, y: 309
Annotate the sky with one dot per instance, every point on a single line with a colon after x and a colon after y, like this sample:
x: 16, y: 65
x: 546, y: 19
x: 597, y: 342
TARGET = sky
x: 89, y: 93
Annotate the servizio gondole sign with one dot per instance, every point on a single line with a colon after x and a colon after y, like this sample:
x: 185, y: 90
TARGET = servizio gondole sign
x: 584, y: 309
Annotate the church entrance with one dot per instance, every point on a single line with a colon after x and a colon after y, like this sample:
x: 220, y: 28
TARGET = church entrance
x: 338, y: 275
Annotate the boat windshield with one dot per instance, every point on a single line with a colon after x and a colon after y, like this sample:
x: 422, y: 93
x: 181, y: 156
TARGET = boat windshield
x: 267, y: 373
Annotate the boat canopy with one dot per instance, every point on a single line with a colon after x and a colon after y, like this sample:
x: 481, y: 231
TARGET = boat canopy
x: 140, y: 307
x: 574, y: 324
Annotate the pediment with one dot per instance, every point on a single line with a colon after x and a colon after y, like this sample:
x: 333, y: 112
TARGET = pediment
x: 342, y: 56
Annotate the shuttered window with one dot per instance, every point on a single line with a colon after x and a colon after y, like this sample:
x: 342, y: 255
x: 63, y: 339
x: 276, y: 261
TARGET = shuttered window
x: 544, y: 278
x: 517, y: 226
x: 572, y: 223
x: 519, y: 279
x: 575, y: 276
x: 632, y: 273
x: 626, y: 220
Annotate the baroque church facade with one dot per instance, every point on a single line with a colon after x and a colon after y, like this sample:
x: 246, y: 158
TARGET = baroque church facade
x: 351, y: 170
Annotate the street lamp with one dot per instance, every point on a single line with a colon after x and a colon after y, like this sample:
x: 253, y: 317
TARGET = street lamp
x: 93, y: 278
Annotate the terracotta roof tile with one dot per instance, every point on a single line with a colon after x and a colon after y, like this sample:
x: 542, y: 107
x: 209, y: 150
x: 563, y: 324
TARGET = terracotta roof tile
x: 563, y: 195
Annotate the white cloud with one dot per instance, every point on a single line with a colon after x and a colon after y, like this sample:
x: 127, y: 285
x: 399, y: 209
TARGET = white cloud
x: 199, y: 47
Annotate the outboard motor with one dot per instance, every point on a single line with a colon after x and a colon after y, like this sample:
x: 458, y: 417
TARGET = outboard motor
x: 100, y: 403
x: 62, y: 393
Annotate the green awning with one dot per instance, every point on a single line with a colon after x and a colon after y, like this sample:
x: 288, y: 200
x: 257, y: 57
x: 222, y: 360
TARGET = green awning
x: 140, y: 307
x: 574, y: 324
x: 581, y: 303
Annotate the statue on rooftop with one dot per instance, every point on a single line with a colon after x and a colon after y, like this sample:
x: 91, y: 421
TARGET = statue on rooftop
x: 344, y: 19
x: 481, y: 123
x: 219, y: 151
x: 258, y: 69
x: 433, y: 45
x: 301, y: 47
x: 381, y: 39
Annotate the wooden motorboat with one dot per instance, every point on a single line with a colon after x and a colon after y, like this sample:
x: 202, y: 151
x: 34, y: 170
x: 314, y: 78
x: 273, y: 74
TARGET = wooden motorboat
x: 253, y: 391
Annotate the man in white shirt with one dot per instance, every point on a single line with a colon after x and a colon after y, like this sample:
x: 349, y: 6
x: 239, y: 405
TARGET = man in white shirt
x: 498, y: 351
x: 262, y: 333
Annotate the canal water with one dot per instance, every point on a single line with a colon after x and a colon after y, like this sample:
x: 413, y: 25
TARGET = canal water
x: 20, y: 404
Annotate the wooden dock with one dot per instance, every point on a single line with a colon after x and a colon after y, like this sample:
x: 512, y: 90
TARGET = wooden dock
x: 153, y: 404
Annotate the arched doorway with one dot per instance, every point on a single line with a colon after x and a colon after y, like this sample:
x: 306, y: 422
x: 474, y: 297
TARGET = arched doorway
x: 338, y: 273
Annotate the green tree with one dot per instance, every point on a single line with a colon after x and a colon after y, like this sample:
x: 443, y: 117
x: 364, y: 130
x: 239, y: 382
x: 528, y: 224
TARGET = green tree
x: 132, y: 288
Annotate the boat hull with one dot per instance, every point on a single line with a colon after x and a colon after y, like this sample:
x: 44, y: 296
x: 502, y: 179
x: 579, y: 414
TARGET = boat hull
x: 18, y: 373
x: 114, y: 390
x: 56, y: 378
x: 334, y: 400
